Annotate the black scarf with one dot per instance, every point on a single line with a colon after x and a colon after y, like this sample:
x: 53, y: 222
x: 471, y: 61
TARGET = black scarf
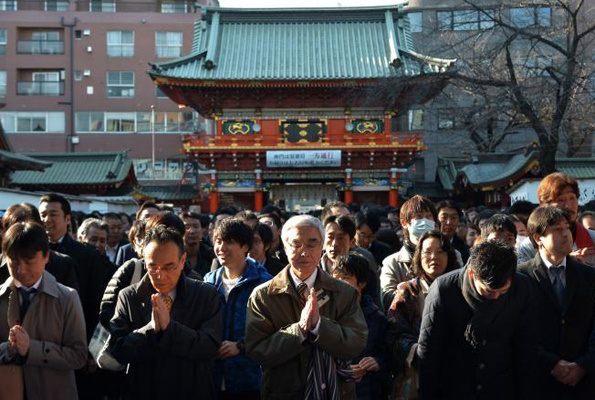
x: 485, y: 311
x: 410, y: 247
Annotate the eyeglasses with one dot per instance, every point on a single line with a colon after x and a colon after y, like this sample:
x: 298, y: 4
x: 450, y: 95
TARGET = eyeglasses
x: 157, y: 270
x: 309, y: 247
x: 429, y: 254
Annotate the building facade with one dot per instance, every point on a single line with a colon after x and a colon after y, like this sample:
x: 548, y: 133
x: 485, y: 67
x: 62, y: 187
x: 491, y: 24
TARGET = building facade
x: 73, y: 79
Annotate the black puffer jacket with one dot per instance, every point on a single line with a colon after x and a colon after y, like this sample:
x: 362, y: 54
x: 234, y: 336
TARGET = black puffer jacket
x: 122, y: 278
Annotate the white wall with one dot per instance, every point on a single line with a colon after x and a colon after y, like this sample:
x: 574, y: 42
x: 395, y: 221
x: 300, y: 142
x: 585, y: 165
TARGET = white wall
x: 528, y: 191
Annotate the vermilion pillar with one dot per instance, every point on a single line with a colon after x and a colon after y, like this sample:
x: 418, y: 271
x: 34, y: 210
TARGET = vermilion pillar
x: 393, y: 194
x: 258, y: 194
x: 348, y: 186
x: 214, y: 193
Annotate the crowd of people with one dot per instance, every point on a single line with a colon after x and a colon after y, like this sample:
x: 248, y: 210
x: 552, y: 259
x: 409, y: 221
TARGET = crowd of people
x: 428, y: 301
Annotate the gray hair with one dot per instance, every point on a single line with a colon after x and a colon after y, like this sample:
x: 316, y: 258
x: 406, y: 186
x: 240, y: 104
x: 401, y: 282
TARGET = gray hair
x: 299, y: 221
x: 89, y: 223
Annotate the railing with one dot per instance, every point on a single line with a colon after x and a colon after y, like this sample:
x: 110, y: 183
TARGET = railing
x: 166, y: 7
x: 40, y: 47
x: 406, y: 139
x: 27, y: 88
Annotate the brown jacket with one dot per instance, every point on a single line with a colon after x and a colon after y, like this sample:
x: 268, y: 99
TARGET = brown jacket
x: 273, y: 340
x: 56, y: 326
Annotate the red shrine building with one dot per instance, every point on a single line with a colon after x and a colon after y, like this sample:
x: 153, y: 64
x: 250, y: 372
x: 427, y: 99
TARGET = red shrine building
x: 309, y: 105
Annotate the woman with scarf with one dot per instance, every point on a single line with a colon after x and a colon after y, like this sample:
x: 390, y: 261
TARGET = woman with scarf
x: 477, y: 336
x: 433, y: 257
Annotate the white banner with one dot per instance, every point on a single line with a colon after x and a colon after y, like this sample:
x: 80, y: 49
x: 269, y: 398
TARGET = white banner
x: 303, y: 158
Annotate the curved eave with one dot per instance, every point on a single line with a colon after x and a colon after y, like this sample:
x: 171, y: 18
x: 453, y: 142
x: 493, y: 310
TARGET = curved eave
x: 502, y: 182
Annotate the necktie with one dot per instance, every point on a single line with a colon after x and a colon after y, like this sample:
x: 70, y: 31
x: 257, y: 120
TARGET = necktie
x: 303, y: 293
x: 26, y: 298
x: 168, y: 302
x: 558, y: 285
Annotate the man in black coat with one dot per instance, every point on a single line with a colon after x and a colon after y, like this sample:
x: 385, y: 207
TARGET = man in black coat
x: 167, y: 326
x: 565, y: 293
x: 91, y: 272
x: 477, y: 338
x: 449, y: 216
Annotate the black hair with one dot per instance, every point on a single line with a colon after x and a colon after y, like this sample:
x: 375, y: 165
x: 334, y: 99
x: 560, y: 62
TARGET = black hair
x: 353, y: 264
x: 344, y: 222
x: 20, y: 213
x: 111, y: 215
x: 369, y: 218
x: 232, y: 228
x: 445, y: 245
x: 56, y: 198
x: 162, y: 234
x: 497, y: 223
x: 274, y: 217
x: 265, y: 233
x: 449, y: 204
x: 167, y: 218
x: 542, y: 217
x: 24, y: 239
x: 144, y: 206
x: 493, y: 263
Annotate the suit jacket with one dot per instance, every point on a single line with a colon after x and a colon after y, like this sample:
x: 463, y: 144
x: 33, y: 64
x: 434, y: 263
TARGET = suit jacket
x: 56, y: 327
x: 60, y: 265
x: 125, y: 253
x: 174, y: 363
x: 565, y: 333
x: 92, y: 277
x: 273, y: 339
x: 462, y: 248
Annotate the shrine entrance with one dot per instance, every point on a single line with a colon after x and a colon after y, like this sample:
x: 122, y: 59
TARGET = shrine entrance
x: 303, y: 197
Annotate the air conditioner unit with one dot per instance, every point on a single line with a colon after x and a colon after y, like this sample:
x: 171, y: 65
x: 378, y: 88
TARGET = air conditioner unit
x: 89, y: 89
x: 87, y: 72
x: 87, y: 32
x: 75, y: 140
x: 89, y: 49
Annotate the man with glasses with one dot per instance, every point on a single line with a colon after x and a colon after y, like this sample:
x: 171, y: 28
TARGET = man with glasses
x: 167, y: 326
x: 303, y: 325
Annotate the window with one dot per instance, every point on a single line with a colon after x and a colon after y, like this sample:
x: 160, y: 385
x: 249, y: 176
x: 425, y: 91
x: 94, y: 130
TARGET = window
x: 41, y: 84
x: 168, y: 44
x: 526, y: 17
x: 33, y: 122
x: 120, y: 44
x: 8, y: 5
x: 412, y: 120
x: 2, y: 41
x: 128, y: 122
x: 120, y: 84
x: 78, y: 34
x: 41, y: 43
x: 174, y: 7
x: 56, y: 5
x: 2, y: 83
x: 78, y: 75
x: 122, y: 122
x: 102, y: 6
x: 465, y: 20
x: 446, y: 118
x: 415, y: 22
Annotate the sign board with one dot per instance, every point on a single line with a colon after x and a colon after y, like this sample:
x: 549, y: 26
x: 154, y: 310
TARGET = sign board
x: 303, y: 158
x: 528, y: 191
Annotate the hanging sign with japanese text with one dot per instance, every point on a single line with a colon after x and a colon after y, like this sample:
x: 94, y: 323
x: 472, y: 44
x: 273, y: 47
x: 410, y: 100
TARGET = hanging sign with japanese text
x: 303, y: 158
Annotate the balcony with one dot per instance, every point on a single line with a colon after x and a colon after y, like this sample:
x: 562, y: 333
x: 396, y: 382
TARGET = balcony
x: 40, y: 47
x: 30, y: 88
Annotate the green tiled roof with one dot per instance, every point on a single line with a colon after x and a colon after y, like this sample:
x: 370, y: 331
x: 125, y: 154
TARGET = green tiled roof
x: 579, y: 168
x: 170, y: 193
x: 78, y: 169
x: 17, y: 161
x: 300, y: 44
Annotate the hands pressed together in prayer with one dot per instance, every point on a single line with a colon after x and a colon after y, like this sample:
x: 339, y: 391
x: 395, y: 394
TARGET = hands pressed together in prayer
x: 228, y: 349
x: 160, y: 313
x: 310, y: 313
x: 367, y: 364
x: 568, y: 373
x: 19, y: 341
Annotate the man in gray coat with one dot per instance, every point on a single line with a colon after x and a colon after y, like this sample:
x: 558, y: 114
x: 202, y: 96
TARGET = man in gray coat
x: 42, y: 319
x: 303, y: 325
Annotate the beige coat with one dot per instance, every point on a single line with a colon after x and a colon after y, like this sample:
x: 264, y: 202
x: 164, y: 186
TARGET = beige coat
x: 273, y: 340
x: 56, y: 326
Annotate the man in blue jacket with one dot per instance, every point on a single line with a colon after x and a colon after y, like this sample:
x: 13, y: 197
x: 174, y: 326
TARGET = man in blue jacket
x: 236, y: 375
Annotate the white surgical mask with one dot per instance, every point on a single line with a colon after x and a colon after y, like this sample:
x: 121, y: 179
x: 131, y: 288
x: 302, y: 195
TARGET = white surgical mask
x: 420, y: 226
x: 519, y: 239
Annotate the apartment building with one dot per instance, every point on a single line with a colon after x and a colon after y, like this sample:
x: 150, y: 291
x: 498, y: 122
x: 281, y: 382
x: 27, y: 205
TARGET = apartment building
x: 73, y: 79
